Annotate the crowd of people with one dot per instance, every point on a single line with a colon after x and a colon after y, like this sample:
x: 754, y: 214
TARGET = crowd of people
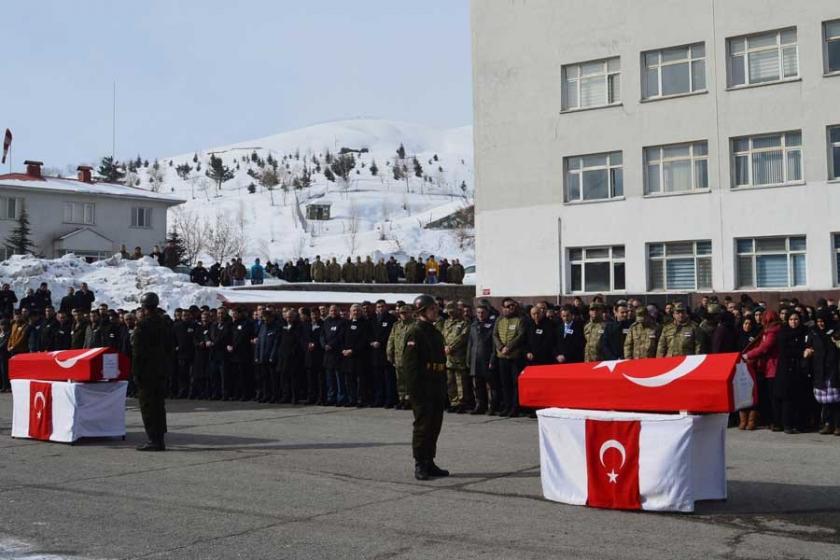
x: 351, y: 356
x: 415, y: 271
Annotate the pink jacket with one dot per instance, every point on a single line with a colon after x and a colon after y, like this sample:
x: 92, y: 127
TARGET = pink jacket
x: 765, y: 355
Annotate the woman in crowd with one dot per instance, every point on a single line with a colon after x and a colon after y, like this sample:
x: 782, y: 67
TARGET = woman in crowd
x: 821, y: 350
x: 763, y: 358
x: 791, y: 376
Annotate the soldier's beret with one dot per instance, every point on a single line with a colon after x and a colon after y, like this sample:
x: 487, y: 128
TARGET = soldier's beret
x: 678, y: 306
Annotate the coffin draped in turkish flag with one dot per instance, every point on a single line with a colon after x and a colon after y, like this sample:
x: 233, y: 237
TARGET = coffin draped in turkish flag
x: 714, y: 383
x: 84, y: 365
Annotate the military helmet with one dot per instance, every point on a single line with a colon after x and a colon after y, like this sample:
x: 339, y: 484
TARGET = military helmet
x: 678, y: 306
x: 641, y: 311
x: 150, y: 300
x: 423, y: 302
x: 714, y: 309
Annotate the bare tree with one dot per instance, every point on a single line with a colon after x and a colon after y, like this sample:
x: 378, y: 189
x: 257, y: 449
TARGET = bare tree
x: 190, y: 228
x: 352, y: 229
x: 157, y: 174
x: 223, y: 238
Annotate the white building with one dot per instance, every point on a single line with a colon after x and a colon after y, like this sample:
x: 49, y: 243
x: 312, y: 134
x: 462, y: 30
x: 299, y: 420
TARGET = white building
x: 92, y: 220
x: 656, y: 147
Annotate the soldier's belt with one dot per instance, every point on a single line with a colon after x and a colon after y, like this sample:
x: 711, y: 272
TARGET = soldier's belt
x: 437, y: 368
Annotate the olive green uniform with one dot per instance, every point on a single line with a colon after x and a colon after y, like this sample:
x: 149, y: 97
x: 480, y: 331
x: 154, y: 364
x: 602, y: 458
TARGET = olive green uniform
x: 394, y: 352
x: 707, y: 327
x: 642, y: 339
x: 151, y: 348
x: 424, y: 364
x: 318, y: 271
x: 592, y: 332
x: 679, y: 340
x: 334, y: 272
x: 380, y: 273
x: 348, y: 272
x: 456, y: 335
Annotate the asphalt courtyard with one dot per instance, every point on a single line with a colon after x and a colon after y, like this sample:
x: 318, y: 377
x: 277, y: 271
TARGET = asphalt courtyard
x: 243, y: 480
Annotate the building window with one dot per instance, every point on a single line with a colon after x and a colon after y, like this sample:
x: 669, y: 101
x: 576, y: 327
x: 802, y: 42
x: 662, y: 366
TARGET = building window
x: 674, y: 71
x: 677, y: 168
x: 834, y: 152
x: 594, y: 177
x: 79, y: 213
x: 762, y: 58
x: 592, y: 84
x: 771, y: 262
x: 10, y: 208
x: 831, y: 31
x: 772, y: 159
x: 682, y: 265
x: 597, y: 269
x: 141, y: 217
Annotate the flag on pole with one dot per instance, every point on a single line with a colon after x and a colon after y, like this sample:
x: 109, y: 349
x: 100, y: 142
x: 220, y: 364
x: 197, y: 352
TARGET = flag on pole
x: 7, y: 144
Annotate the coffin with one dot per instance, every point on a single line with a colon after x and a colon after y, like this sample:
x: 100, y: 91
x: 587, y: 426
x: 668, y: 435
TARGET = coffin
x: 713, y: 383
x: 85, y: 365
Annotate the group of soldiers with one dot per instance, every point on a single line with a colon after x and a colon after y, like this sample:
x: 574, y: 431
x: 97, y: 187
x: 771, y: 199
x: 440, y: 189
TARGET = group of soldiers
x: 415, y: 271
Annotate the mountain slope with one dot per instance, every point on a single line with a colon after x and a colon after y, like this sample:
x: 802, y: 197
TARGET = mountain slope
x: 370, y: 214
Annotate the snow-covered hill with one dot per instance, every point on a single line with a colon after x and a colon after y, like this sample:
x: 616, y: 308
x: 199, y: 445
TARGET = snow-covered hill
x: 371, y: 214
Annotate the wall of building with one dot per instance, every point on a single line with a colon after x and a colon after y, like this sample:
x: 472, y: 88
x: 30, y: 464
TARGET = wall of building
x: 521, y: 137
x: 112, y: 218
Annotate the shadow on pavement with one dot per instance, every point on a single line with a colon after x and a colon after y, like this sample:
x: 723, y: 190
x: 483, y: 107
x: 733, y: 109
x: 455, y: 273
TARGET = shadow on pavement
x: 748, y: 497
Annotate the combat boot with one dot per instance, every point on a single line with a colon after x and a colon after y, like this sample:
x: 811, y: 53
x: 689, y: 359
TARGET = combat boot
x: 421, y: 470
x: 155, y: 444
x: 435, y: 470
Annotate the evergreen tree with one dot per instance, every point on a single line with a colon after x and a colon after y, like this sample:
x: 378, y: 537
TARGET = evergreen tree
x: 138, y: 162
x: 195, y: 158
x: 418, y: 169
x: 180, y: 250
x: 373, y: 168
x: 183, y: 170
x: 254, y: 156
x: 343, y: 165
x: 170, y: 163
x: 252, y: 188
x: 328, y: 175
x: 109, y: 170
x: 146, y: 163
x: 401, y: 151
x: 19, y: 242
x: 435, y: 157
x: 397, y: 173
x: 218, y: 171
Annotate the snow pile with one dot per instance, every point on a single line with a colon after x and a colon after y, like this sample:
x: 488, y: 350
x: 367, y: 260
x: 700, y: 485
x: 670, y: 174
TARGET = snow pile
x: 370, y: 214
x: 117, y: 282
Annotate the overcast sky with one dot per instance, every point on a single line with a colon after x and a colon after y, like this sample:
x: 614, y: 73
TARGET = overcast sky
x: 192, y: 74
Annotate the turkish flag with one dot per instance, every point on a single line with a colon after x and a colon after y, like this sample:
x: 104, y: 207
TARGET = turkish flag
x: 612, y: 464
x: 7, y: 143
x: 40, y: 410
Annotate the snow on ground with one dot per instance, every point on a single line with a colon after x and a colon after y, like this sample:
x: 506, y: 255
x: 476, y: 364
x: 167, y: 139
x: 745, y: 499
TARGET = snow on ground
x: 117, y: 282
x: 371, y: 215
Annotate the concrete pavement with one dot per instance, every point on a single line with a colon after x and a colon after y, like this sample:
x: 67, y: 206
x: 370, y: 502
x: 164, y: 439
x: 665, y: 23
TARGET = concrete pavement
x: 243, y: 480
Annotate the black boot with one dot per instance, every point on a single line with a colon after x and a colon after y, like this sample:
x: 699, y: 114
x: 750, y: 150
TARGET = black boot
x: 154, y: 444
x: 435, y: 470
x: 421, y: 470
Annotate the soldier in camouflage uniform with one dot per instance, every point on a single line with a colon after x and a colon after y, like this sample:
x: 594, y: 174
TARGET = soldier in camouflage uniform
x: 680, y: 338
x: 708, y: 326
x: 333, y: 271
x: 318, y: 270
x: 456, y: 334
x: 643, y: 337
x: 592, y: 332
x: 394, y: 353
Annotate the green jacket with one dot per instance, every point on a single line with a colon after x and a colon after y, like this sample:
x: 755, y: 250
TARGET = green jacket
x: 680, y: 340
x: 396, y: 341
x: 424, y: 364
x: 510, y: 332
x: 641, y: 341
x: 318, y: 271
x: 456, y: 333
x: 592, y: 332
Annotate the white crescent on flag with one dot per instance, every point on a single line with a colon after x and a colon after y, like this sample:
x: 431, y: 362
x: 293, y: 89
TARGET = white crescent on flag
x: 69, y: 363
x: 689, y: 364
x: 613, y: 444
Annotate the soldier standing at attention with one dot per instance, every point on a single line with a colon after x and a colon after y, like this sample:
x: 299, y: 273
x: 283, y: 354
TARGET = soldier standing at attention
x: 592, y: 333
x: 680, y: 338
x: 643, y: 337
x: 424, y: 364
x: 150, y: 352
x: 456, y: 334
x: 394, y: 352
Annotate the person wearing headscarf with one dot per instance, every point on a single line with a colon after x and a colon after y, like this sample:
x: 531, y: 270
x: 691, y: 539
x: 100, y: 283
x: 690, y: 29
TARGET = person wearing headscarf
x: 821, y: 350
x: 791, y: 374
x: 763, y: 357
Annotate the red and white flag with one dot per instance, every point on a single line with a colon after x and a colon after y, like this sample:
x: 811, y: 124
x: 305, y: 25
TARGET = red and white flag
x: 612, y: 464
x: 40, y: 410
x: 7, y: 144
x: 625, y: 460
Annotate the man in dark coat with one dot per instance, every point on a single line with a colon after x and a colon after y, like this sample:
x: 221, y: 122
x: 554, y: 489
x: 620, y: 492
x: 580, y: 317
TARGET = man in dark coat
x: 265, y: 357
x: 202, y: 343
x: 239, y: 375
x: 183, y: 329
x: 199, y: 275
x: 612, y: 341
x: 383, y: 377
x: 570, y: 339
x: 8, y: 299
x: 314, y: 355
x: 66, y: 305
x: 290, y: 360
x: 481, y: 358
x: 84, y: 298
x: 332, y: 334
x: 63, y: 334
x: 221, y: 334
x: 354, y: 354
x: 150, y: 352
